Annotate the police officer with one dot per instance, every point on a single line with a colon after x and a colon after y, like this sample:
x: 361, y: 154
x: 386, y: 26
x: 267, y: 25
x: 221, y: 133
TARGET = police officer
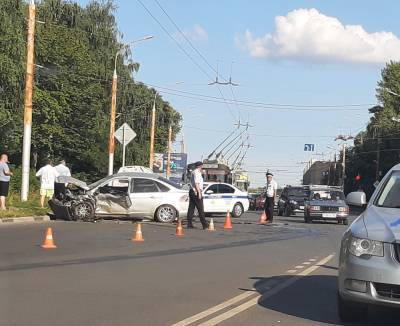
x: 270, y: 195
x: 196, y: 197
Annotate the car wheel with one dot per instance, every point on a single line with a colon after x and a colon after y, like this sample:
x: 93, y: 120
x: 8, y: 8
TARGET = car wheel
x: 351, y: 311
x: 237, y: 210
x: 280, y: 212
x: 287, y: 211
x: 166, y: 214
x: 84, y: 211
x: 345, y: 222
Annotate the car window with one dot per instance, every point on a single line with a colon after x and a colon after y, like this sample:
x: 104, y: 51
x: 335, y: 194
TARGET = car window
x: 213, y: 188
x: 169, y: 182
x: 225, y: 189
x: 390, y: 195
x: 327, y: 195
x: 144, y: 185
x: 115, y: 185
x: 161, y: 187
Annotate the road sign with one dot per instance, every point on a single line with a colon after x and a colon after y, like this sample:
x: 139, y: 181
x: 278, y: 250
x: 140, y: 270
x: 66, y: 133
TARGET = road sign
x: 125, y: 134
x: 309, y: 147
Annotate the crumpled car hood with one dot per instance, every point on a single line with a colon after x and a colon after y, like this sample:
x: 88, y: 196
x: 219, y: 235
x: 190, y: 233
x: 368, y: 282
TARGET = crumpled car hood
x: 382, y: 224
x: 75, y: 182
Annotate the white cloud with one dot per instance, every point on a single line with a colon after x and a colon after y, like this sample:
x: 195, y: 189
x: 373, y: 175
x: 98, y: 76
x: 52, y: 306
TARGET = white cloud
x: 306, y: 34
x: 196, y: 33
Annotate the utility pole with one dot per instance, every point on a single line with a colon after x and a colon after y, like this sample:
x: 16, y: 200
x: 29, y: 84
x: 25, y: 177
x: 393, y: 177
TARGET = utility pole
x: 111, y: 140
x: 153, y: 125
x: 183, y: 144
x: 344, y: 163
x: 26, y: 149
x: 378, y: 153
x: 169, y: 152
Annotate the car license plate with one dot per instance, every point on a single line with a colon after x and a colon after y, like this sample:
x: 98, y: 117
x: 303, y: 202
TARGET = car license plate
x: 301, y: 207
x: 333, y: 215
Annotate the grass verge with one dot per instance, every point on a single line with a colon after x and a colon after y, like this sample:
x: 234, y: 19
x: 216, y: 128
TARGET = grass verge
x: 16, y: 208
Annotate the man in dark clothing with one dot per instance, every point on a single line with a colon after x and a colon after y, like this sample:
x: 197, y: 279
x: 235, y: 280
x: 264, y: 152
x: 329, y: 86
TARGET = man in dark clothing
x: 196, y: 197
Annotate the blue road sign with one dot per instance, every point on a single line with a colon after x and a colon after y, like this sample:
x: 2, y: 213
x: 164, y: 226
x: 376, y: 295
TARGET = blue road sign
x: 309, y: 147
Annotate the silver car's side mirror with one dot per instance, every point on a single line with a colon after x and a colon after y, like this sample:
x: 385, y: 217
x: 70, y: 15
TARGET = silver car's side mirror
x: 356, y: 198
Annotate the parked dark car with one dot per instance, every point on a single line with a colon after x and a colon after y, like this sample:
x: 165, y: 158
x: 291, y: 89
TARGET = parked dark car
x: 326, y: 203
x: 292, y: 200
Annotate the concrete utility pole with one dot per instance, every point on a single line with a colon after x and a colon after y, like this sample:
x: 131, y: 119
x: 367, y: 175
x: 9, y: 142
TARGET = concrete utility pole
x: 183, y: 144
x: 169, y: 152
x: 344, y: 162
x: 378, y: 153
x: 111, y: 140
x: 152, y: 131
x: 26, y: 149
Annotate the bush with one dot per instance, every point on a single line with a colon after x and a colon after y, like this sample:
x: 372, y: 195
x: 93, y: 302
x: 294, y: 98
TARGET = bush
x: 16, y: 181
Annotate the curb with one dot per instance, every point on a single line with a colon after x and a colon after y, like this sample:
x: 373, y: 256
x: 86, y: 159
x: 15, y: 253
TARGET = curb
x: 26, y: 219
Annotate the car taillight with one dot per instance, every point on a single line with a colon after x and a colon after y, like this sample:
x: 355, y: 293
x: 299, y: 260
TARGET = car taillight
x: 344, y: 209
x: 315, y: 208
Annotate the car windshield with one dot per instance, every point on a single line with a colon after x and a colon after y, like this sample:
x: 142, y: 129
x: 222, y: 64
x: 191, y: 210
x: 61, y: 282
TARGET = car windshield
x: 327, y: 195
x: 298, y: 193
x: 96, y: 184
x: 390, y: 195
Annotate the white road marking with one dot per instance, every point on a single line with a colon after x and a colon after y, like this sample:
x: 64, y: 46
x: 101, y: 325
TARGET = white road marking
x: 291, y: 271
x: 306, y: 263
x: 252, y: 302
x: 312, y: 259
x: 299, y: 267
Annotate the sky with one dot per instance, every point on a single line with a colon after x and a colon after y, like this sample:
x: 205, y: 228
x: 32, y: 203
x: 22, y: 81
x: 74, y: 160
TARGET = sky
x: 307, y: 71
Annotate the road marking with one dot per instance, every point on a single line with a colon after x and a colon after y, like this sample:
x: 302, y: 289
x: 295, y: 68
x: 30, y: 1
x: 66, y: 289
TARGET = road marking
x: 291, y: 271
x: 312, y: 259
x: 252, y: 302
x: 306, y: 263
x: 299, y: 267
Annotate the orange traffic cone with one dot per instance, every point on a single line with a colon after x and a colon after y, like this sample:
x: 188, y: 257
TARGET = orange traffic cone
x: 138, y: 235
x: 228, y: 222
x: 48, y: 240
x: 263, y: 218
x: 179, y: 229
x: 211, y: 226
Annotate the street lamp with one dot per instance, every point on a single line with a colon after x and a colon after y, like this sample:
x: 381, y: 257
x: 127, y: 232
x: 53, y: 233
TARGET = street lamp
x: 111, y: 140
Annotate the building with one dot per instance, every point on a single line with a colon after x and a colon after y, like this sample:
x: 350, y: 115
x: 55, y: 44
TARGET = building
x: 323, y: 173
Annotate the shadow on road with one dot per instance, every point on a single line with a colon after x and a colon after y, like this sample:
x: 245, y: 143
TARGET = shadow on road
x: 313, y: 298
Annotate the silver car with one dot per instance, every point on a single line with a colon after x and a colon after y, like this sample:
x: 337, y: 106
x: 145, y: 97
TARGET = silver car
x: 369, y: 264
x: 130, y: 194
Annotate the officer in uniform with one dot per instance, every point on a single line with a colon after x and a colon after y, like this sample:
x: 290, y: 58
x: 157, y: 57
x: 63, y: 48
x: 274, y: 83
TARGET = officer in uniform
x: 196, y: 197
x: 270, y: 195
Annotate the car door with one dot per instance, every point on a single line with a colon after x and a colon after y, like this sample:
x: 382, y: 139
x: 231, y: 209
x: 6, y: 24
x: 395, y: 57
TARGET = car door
x: 112, y: 197
x: 227, y: 197
x: 211, y: 199
x: 146, y: 197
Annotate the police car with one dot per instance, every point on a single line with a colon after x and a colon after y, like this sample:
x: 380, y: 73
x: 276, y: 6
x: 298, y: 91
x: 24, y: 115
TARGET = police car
x: 221, y: 197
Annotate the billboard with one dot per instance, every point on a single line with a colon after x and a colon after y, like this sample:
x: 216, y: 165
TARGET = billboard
x: 178, y: 163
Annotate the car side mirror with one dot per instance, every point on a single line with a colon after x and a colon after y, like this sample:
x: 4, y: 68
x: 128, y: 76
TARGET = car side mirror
x: 356, y: 198
x: 209, y: 192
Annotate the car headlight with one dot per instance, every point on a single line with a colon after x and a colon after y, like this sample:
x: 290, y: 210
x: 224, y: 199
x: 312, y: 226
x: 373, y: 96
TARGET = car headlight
x: 293, y: 202
x: 315, y: 208
x: 359, y: 247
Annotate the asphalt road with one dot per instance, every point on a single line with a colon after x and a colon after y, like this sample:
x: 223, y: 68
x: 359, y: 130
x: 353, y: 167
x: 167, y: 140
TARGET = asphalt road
x: 280, y: 274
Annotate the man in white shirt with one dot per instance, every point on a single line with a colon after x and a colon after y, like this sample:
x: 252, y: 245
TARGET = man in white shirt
x: 48, y: 175
x: 63, y: 171
x: 196, y: 197
x: 270, y: 196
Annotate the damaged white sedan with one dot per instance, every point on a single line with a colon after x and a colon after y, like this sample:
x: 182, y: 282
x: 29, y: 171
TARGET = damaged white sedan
x: 122, y: 195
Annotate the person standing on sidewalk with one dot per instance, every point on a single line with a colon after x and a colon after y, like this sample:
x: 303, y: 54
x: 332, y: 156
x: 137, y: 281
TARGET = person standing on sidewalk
x: 196, y: 197
x: 48, y: 176
x: 63, y: 171
x: 270, y: 196
x: 5, y: 175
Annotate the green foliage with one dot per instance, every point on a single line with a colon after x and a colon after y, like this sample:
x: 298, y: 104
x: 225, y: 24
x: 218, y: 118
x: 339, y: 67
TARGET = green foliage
x: 74, y: 52
x: 381, y: 133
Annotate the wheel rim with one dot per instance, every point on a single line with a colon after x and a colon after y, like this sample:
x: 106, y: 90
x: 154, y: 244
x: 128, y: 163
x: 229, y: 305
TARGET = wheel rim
x: 83, y: 211
x: 238, y: 210
x: 166, y: 214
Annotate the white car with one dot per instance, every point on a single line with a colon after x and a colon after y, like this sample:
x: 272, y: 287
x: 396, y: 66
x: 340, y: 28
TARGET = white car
x: 223, y: 197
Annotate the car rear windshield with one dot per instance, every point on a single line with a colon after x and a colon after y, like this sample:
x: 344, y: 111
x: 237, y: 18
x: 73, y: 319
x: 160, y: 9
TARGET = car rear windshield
x: 298, y: 193
x: 171, y: 183
x: 327, y: 195
x: 390, y: 194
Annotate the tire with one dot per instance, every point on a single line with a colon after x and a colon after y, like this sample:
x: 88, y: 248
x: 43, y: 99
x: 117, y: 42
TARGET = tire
x: 166, y: 214
x: 83, y: 211
x: 280, y: 212
x: 237, y: 210
x: 351, y: 311
x: 345, y: 222
x: 286, y: 211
